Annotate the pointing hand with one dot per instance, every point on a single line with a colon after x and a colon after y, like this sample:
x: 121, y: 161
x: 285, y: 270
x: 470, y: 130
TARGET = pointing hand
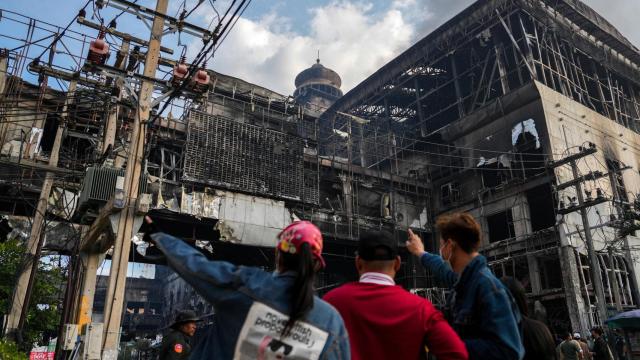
x: 414, y: 244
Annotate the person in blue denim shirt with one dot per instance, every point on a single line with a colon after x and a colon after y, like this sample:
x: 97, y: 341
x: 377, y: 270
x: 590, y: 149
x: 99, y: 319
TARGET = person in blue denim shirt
x: 261, y: 315
x: 480, y: 309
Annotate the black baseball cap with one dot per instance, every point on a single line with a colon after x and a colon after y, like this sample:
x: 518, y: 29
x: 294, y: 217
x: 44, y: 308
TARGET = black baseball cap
x: 377, y: 245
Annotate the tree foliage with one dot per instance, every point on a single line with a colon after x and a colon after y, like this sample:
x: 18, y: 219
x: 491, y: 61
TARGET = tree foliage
x: 9, y: 351
x: 43, y: 316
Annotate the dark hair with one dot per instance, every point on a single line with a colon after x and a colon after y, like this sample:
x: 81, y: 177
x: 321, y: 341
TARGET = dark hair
x: 566, y: 334
x: 304, y: 265
x: 597, y: 330
x: 461, y: 228
x: 377, y: 245
x: 517, y: 291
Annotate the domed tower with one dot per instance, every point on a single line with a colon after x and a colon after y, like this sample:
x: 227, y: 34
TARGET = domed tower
x: 317, y: 87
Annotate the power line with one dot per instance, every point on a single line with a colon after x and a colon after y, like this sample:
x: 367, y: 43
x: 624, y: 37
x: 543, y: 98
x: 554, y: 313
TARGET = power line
x: 65, y: 29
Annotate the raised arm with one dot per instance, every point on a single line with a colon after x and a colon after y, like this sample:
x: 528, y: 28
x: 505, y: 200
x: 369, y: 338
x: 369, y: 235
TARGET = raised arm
x: 214, y: 280
x: 443, y: 273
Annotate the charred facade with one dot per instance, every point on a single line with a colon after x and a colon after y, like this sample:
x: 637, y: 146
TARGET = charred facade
x: 482, y: 109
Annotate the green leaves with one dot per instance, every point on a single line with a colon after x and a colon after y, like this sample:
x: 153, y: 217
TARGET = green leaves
x: 44, y: 315
x: 9, y: 351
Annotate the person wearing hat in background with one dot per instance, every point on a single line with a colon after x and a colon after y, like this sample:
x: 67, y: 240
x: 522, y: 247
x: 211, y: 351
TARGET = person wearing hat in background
x: 586, y: 353
x: 176, y: 345
x: 262, y: 315
x: 385, y: 321
x: 569, y: 349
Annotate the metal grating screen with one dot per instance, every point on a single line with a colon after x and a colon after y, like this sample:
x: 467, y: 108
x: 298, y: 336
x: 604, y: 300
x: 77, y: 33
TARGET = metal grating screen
x: 226, y: 153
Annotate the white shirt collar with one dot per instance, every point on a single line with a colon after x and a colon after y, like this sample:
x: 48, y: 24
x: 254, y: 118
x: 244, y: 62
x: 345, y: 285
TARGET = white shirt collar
x: 376, y: 278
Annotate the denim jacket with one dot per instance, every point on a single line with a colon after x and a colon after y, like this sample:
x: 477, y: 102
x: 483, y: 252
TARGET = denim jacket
x: 480, y: 309
x: 235, y: 292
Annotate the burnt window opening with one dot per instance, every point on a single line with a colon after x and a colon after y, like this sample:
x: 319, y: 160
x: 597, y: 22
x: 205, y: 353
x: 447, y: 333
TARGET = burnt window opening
x: 49, y: 132
x: 550, y: 271
x: 135, y: 307
x: 541, y: 205
x: 496, y: 171
x: 501, y: 226
x: 530, y: 160
x: 615, y: 167
x: 515, y: 268
x: 369, y: 202
x: 450, y: 193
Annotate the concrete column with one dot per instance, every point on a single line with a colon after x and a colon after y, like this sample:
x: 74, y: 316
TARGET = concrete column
x: 578, y: 312
x: 521, y: 216
x: 534, y: 274
x: 4, y: 62
x: 114, y: 301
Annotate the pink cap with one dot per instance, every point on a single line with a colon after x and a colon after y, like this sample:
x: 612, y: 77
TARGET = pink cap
x: 297, y: 233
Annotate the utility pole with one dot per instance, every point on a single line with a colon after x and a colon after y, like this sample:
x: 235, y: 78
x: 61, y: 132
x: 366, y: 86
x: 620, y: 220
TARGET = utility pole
x: 112, y: 121
x: 90, y: 260
x: 122, y: 246
x: 4, y: 68
x: 24, y: 284
x: 594, y: 266
x: 582, y: 206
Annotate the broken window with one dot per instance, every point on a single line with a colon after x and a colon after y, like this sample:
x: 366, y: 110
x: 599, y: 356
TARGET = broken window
x: 529, y: 158
x: 615, y: 276
x: 500, y: 226
x: 450, y: 193
x: 49, y: 133
x: 550, y: 274
x: 495, y: 171
x: 541, y: 207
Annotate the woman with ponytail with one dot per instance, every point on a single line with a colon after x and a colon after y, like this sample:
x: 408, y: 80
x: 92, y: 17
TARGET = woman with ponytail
x: 260, y: 315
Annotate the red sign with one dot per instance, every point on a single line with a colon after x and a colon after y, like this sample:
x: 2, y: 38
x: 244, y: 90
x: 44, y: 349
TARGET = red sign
x: 41, y: 355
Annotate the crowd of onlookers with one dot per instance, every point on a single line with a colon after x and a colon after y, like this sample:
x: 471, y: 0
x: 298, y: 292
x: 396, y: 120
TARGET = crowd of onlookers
x: 262, y: 315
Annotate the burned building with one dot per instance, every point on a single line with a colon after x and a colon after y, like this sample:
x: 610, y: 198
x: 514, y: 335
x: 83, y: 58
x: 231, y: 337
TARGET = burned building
x: 524, y: 113
x: 142, y: 315
x: 491, y: 109
x: 251, y: 165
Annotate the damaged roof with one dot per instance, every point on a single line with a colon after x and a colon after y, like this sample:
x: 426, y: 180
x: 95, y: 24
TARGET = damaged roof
x: 575, y: 11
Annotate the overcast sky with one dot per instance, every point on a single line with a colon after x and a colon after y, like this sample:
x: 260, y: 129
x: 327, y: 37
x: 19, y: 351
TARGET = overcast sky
x: 276, y: 39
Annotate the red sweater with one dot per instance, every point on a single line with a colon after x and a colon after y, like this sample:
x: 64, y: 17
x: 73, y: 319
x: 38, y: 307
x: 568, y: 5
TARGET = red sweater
x: 387, y: 322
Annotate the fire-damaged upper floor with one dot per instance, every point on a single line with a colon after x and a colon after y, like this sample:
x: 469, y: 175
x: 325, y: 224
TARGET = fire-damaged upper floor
x: 489, y: 50
x: 411, y: 116
x: 486, y: 110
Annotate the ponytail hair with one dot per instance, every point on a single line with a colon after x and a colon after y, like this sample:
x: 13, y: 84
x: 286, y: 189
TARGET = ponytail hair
x: 304, y: 265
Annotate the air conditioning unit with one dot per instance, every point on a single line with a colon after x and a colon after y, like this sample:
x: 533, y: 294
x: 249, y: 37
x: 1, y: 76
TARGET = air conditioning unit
x: 99, y: 186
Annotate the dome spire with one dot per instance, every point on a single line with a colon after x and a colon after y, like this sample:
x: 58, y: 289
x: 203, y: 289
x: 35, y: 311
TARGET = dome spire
x: 318, y: 58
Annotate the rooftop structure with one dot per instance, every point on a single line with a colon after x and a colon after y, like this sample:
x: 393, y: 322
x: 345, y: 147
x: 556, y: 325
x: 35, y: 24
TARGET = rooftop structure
x: 317, y: 87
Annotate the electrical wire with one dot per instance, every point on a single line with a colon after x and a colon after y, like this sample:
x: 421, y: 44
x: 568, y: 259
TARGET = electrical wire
x: 115, y: 18
x: 219, y: 31
x: 59, y: 36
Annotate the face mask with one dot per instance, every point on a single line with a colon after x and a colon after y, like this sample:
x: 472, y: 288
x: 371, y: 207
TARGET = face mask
x: 448, y: 260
